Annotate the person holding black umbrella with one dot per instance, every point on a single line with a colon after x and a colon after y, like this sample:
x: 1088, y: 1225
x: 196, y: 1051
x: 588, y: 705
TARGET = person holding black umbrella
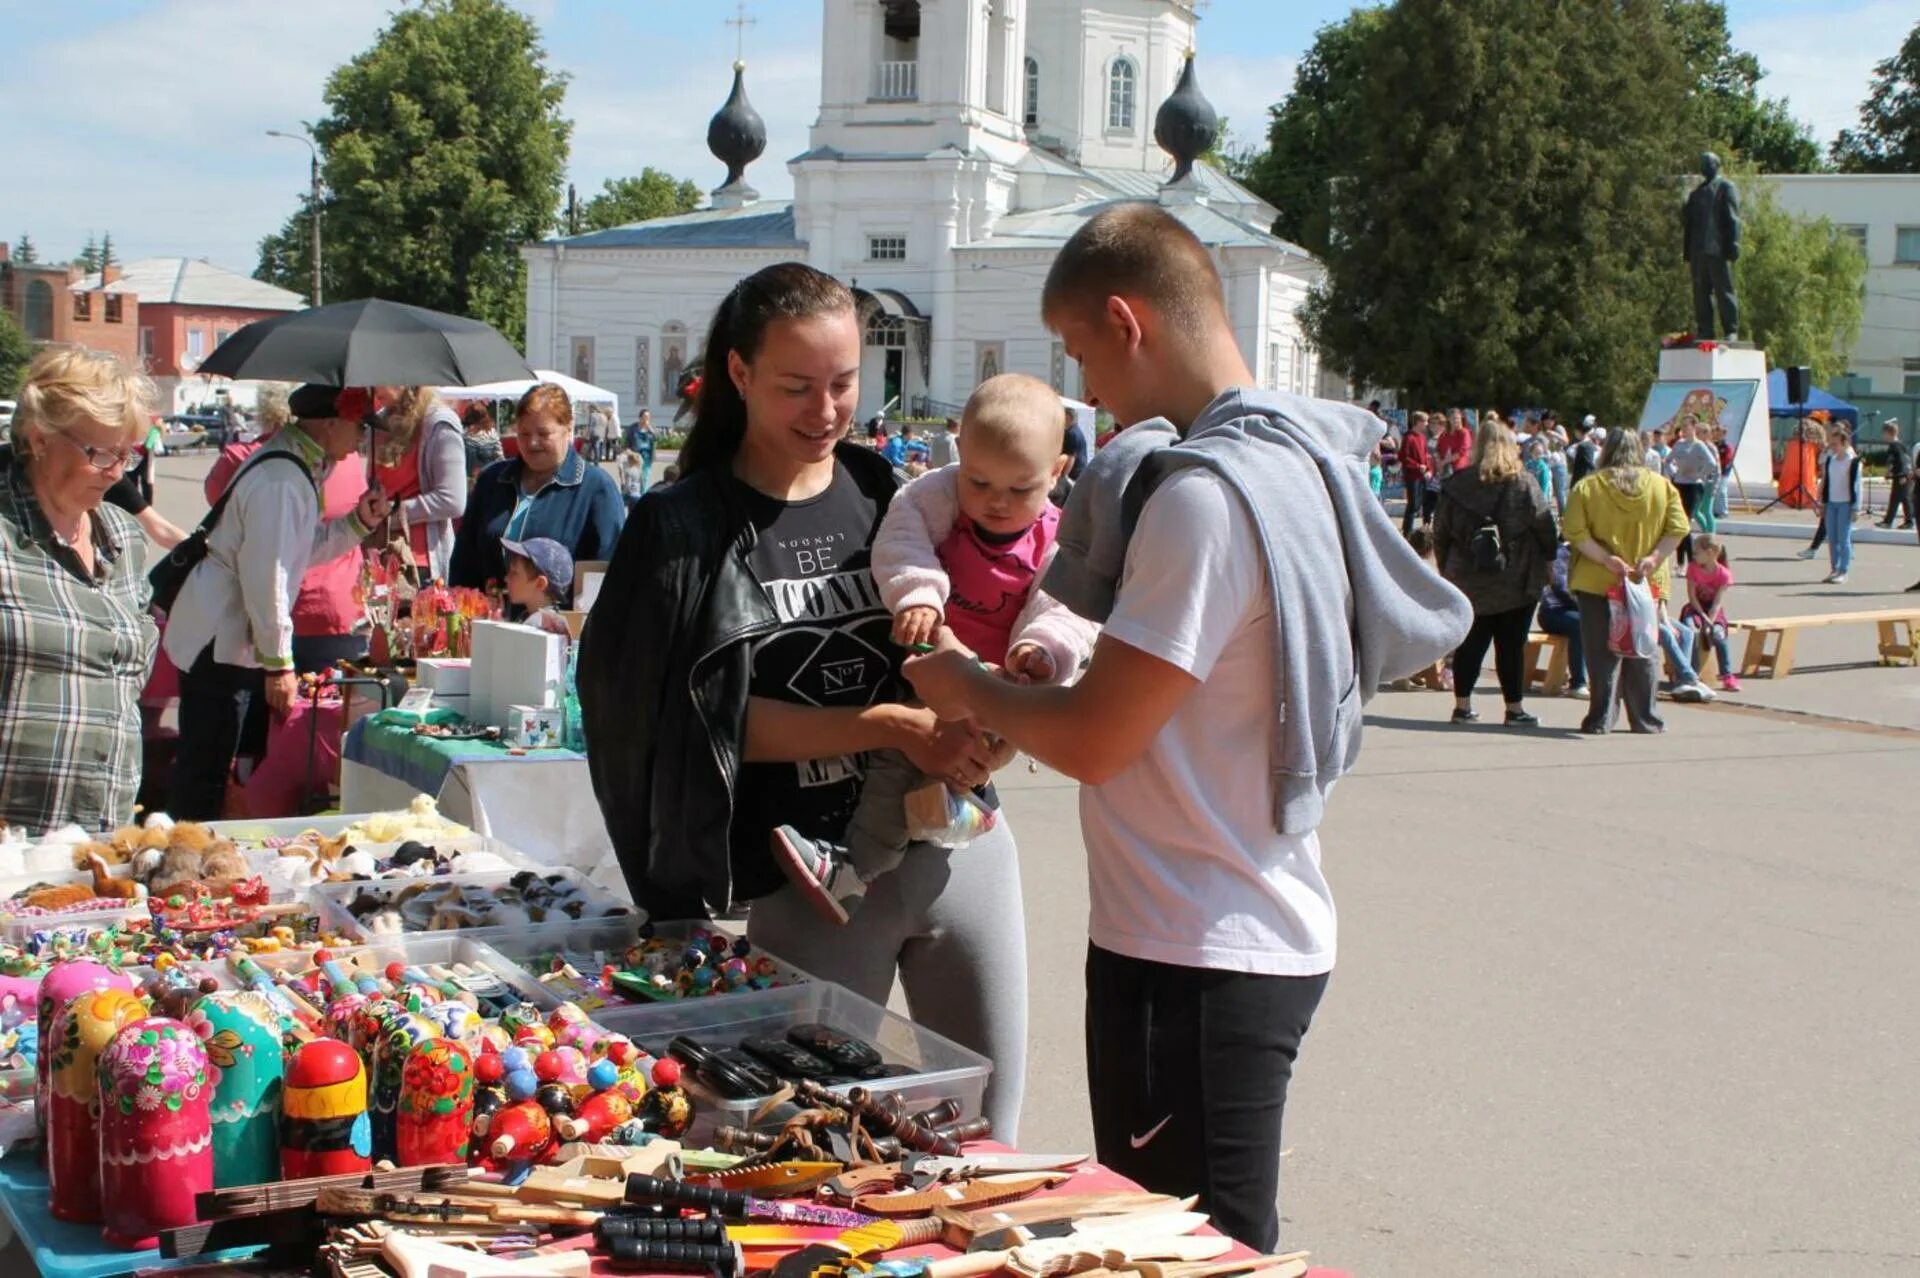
x: 230, y: 632
x: 549, y: 490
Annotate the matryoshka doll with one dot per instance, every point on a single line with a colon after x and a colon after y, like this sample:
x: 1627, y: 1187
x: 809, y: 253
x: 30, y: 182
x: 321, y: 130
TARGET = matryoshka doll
x: 323, y: 1112
x: 391, y: 1049
x: 241, y: 1034
x: 85, y: 1028
x: 435, y: 1120
x: 156, y: 1134
x: 64, y: 981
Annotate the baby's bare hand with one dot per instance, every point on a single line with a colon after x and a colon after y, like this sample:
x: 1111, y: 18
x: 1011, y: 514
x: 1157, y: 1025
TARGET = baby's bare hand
x: 1030, y: 663
x: 914, y: 627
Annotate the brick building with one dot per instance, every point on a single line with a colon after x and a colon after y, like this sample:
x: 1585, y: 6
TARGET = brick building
x: 54, y: 304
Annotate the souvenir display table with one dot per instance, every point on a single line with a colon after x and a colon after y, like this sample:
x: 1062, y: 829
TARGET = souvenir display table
x: 481, y: 784
x: 60, y: 1250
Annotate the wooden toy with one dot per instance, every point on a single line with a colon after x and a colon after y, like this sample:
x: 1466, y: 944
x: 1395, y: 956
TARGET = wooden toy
x: 324, y: 1129
x: 435, y: 1115
x: 241, y: 1034
x: 86, y: 1026
x: 63, y: 981
x: 156, y: 1135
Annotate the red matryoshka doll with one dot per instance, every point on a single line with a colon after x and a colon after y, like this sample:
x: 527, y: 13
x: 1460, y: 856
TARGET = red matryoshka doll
x: 435, y: 1120
x: 245, y: 1064
x: 323, y: 1112
x: 156, y: 1134
x: 64, y: 981
x: 391, y: 1049
x: 85, y: 1028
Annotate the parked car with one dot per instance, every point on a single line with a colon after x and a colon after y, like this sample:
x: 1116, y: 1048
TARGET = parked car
x: 7, y: 408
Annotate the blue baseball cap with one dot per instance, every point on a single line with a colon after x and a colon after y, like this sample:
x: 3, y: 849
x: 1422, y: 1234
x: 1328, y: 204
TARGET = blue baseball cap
x: 549, y: 558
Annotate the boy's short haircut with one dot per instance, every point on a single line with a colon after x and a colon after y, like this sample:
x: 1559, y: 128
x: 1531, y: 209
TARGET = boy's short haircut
x: 1012, y: 410
x: 1136, y: 250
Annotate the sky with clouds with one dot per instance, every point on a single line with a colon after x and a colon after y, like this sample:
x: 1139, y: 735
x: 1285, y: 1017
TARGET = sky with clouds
x: 147, y: 118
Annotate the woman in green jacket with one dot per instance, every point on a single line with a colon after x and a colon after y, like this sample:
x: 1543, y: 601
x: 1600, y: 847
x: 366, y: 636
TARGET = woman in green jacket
x: 1623, y: 521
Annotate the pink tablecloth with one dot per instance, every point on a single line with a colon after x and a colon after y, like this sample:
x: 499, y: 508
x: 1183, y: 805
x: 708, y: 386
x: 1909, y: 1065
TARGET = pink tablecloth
x: 282, y: 783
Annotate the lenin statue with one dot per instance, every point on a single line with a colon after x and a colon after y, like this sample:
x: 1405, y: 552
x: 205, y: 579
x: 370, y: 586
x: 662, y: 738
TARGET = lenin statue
x: 1711, y: 224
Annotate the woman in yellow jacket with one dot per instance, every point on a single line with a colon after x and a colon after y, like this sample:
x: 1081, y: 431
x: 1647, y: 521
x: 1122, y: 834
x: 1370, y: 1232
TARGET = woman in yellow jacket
x: 1622, y: 521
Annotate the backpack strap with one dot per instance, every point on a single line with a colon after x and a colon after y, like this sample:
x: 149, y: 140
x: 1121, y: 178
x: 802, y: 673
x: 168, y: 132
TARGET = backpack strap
x: 219, y: 507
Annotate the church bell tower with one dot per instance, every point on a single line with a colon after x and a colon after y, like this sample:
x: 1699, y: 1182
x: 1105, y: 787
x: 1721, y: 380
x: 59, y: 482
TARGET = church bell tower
x: 906, y: 75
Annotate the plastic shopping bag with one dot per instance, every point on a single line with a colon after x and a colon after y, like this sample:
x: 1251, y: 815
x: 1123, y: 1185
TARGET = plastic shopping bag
x: 1633, y: 620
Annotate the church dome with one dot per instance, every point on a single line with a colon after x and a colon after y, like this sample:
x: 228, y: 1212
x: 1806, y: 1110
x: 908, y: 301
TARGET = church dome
x: 737, y: 135
x: 1186, y: 123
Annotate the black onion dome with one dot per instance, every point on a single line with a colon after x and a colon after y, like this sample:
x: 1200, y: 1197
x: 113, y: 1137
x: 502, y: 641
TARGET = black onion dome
x: 737, y: 135
x: 1186, y: 123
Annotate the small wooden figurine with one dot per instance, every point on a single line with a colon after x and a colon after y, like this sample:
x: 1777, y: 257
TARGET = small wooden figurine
x: 324, y: 1129
x: 435, y: 1118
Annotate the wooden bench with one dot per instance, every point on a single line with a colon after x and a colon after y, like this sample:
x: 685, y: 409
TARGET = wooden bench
x: 1547, y: 662
x: 1770, y: 640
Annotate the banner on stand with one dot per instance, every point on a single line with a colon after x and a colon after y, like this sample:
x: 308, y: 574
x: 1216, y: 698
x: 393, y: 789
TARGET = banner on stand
x: 1725, y: 403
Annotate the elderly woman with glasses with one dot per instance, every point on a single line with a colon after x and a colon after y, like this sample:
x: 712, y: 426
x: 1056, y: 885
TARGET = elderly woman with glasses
x: 75, y: 637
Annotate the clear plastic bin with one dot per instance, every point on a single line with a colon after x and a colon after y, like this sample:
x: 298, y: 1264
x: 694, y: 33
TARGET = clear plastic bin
x: 334, y: 901
x: 590, y: 946
x: 424, y: 950
x: 943, y: 1069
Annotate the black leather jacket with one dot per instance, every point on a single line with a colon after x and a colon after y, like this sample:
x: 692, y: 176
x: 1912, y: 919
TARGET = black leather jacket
x: 664, y: 668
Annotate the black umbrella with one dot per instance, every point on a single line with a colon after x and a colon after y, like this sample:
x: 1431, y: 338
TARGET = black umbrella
x: 369, y: 343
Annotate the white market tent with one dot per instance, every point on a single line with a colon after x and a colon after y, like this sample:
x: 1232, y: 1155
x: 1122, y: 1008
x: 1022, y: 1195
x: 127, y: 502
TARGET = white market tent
x: 578, y: 391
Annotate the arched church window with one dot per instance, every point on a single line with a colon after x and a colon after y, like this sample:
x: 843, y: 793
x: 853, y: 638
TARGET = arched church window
x: 1030, y: 113
x: 1120, y: 94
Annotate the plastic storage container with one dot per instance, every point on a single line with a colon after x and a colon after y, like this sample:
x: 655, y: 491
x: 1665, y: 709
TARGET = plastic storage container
x: 589, y: 947
x: 942, y: 1068
x: 492, y: 913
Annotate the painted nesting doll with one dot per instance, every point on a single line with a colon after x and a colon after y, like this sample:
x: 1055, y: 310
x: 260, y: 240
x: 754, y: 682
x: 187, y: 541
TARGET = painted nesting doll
x: 241, y: 1034
x: 64, y: 981
x: 391, y: 1049
x: 156, y: 1138
x: 85, y: 1028
x: 323, y: 1112
x: 435, y: 1119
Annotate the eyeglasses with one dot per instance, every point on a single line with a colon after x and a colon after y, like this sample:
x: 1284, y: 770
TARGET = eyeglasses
x: 107, y: 458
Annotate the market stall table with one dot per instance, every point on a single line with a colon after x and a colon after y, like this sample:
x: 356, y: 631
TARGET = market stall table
x: 61, y: 1250
x: 540, y: 801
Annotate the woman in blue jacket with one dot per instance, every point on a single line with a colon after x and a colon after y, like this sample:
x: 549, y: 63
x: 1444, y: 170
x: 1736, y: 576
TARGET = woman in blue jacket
x: 549, y: 490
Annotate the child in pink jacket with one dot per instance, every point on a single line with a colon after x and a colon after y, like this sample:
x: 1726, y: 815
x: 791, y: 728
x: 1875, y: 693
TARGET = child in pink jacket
x: 965, y: 547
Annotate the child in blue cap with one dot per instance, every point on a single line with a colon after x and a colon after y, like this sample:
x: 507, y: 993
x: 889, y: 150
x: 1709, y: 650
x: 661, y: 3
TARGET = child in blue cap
x: 539, y: 581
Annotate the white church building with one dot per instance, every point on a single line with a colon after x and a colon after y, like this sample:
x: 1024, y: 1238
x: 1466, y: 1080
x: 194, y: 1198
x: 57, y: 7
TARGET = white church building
x: 959, y: 144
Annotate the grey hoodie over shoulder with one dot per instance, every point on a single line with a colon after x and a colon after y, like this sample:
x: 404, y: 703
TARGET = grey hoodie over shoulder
x: 1353, y: 606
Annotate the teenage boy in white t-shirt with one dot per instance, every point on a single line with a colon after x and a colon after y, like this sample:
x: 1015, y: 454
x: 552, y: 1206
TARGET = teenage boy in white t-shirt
x: 1204, y: 765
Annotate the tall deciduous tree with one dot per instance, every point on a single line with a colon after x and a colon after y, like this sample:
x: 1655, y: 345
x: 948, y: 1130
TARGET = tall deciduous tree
x: 1727, y: 111
x: 1309, y: 142
x: 1801, y: 282
x: 638, y: 199
x: 286, y: 259
x: 1508, y: 230
x: 16, y: 352
x: 443, y: 150
x: 23, y: 250
x: 1888, y: 139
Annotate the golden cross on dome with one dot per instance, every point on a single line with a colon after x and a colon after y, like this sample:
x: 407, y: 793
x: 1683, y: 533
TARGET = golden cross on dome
x: 740, y: 22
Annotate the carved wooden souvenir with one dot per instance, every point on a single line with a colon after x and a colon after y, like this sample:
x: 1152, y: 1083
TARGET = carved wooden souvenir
x: 397, y: 1039
x: 435, y: 1119
x: 241, y: 1035
x: 64, y: 981
x: 86, y: 1026
x: 324, y: 1129
x: 156, y: 1134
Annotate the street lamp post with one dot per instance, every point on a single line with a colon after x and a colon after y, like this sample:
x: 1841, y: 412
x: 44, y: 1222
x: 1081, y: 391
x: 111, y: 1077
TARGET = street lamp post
x: 313, y: 198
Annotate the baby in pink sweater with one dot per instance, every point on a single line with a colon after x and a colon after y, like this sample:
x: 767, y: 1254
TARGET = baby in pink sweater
x: 965, y: 547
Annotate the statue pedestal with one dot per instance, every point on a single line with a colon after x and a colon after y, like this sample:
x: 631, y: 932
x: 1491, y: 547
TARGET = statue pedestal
x: 1741, y: 371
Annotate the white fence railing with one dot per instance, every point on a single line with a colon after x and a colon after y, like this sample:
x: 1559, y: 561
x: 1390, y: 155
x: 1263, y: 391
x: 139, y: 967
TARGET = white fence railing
x: 897, y: 82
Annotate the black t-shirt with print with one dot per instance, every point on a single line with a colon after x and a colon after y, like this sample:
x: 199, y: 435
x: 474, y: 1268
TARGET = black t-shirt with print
x: 833, y: 648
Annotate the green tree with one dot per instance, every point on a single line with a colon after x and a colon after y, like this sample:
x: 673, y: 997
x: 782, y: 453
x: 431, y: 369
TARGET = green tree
x: 1309, y: 143
x: 638, y: 199
x: 23, y: 250
x: 1888, y: 139
x: 443, y: 150
x: 107, y: 256
x: 89, y: 259
x: 16, y: 352
x: 1727, y: 112
x: 1801, y: 282
x: 286, y: 260
x: 1504, y: 237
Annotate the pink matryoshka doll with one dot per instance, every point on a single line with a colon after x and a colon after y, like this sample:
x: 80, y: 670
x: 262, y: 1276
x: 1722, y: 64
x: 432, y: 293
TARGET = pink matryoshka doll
x: 435, y: 1121
x: 85, y: 1028
x: 156, y: 1133
x: 391, y: 1050
x: 63, y: 981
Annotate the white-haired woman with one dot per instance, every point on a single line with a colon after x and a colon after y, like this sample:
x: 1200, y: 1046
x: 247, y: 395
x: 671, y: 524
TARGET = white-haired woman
x: 75, y: 638
x: 1624, y: 520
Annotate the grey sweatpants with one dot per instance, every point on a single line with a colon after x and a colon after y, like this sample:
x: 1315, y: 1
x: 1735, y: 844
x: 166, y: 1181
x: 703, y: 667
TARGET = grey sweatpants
x: 951, y: 923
